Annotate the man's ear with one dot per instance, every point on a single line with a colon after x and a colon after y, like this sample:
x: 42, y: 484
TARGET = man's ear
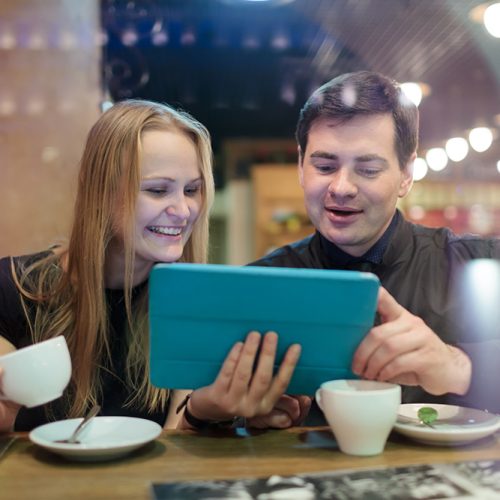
x: 407, y: 177
x: 300, y: 165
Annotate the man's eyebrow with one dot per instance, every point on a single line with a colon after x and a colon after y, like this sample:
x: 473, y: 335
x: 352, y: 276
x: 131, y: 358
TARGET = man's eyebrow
x: 324, y: 155
x: 371, y: 157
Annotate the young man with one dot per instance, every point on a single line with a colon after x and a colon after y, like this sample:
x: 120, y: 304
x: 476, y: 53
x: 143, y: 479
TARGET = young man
x: 357, y: 140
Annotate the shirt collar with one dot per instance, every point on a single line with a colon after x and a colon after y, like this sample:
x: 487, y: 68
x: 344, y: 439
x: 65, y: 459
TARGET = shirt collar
x: 374, y: 255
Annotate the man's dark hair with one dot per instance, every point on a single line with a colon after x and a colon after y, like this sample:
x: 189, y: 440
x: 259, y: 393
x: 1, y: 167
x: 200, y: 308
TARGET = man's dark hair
x: 357, y: 94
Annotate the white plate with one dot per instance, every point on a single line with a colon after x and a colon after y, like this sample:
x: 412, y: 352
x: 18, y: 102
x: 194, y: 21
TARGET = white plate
x: 104, y: 438
x: 455, y: 425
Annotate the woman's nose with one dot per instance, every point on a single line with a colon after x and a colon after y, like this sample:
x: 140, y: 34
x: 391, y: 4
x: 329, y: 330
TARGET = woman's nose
x: 178, y: 208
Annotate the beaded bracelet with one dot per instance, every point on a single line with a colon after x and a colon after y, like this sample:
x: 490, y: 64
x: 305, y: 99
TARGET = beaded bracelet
x: 198, y: 423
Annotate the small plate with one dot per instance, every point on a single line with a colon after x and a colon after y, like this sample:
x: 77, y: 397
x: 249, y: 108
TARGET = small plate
x: 455, y: 425
x: 104, y: 438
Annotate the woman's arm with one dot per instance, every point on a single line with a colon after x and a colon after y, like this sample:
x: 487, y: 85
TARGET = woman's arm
x: 173, y: 417
x: 8, y: 409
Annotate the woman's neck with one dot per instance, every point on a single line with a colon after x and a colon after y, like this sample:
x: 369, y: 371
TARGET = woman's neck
x: 114, y: 271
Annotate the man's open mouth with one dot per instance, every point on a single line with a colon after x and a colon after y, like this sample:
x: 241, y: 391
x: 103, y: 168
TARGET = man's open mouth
x: 343, y: 212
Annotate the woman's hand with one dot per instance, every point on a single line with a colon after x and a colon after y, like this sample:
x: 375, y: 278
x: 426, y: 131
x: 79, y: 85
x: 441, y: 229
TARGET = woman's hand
x: 8, y: 411
x: 241, y: 391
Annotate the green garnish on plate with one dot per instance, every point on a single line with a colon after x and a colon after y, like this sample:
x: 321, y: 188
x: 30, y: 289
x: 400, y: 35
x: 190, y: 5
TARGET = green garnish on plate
x: 427, y: 415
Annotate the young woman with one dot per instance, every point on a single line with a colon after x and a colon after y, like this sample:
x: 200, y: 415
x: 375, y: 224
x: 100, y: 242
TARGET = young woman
x: 144, y: 192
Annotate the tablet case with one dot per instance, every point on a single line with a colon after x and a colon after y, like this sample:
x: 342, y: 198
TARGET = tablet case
x: 198, y: 311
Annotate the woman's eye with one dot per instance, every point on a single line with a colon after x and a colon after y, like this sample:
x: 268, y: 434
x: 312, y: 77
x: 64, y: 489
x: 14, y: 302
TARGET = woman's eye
x: 192, y: 190
x: 156, y: 191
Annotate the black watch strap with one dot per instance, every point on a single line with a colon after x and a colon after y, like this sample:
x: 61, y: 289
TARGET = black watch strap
x: 198, y: 423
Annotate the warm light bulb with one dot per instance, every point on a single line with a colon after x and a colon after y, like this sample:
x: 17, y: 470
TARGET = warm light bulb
x: 480, y: 139
x: 420, y: 169
x: 498, y: 166
x: 457, y: 148
x: 437, y: 159
x: 491, y: 19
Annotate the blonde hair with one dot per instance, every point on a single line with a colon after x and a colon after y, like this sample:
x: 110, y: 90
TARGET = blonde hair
x: 68, y: 287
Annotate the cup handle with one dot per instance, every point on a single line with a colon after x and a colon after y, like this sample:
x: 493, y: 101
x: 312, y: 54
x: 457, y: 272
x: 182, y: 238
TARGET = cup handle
x: 318, y: 398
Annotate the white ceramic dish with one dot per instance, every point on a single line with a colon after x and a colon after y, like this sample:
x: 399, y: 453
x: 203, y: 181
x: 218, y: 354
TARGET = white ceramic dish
x: 455, y: 425
x: 104, y: 438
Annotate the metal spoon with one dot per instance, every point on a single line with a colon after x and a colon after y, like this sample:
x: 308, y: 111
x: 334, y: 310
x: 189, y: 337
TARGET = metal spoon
x: 90, y: 415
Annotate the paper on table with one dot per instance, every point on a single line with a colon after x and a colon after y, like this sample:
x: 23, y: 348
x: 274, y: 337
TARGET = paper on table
x: 470, y: 480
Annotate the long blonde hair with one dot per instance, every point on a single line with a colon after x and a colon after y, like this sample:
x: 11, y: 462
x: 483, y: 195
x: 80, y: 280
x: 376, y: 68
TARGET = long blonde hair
x: 67, y: 287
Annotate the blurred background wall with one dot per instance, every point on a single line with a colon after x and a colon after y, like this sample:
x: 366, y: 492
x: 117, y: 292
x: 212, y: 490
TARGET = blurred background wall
x: 244, y: 69
x: 50, y: 91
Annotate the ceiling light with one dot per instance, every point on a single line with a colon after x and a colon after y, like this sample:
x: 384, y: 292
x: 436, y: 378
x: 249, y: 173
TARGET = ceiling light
x: 491, y: 19
x: 415, y: 91
x: 487, y: 13
x: 480, y: 139
x: 420, y: 169
x: 159, y: 38
x: 457, y: 148
x: 437, y: 159
x: 129, y: 37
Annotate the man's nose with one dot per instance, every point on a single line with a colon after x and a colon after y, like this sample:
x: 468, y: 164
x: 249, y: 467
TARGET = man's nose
x: 342, y: 184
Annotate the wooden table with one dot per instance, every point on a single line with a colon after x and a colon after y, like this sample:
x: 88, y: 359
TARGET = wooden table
x: 29, y: 472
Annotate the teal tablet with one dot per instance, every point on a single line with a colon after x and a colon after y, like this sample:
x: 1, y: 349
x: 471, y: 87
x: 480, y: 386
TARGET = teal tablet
x: 198, y: 311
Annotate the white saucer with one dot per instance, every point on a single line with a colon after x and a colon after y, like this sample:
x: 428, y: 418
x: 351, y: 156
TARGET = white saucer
x: 455, y: 425
x: 104, y: 438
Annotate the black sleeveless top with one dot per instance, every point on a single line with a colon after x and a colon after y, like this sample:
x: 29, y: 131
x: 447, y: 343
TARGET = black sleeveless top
x: 14, y: 328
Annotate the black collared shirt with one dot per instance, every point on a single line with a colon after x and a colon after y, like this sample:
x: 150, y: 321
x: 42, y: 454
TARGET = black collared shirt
x: 373, y: 256
x: 417, y: 265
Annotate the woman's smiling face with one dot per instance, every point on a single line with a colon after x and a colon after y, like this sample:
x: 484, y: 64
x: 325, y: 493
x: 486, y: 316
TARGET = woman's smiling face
x: 169, y: 199
x: 168, y: 204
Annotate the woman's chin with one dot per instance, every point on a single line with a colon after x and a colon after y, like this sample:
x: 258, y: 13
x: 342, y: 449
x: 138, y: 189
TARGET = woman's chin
x: 168, y: 257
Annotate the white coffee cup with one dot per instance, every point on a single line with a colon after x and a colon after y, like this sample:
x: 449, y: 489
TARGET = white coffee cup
x: 361, y: 413
x: 36, y: 374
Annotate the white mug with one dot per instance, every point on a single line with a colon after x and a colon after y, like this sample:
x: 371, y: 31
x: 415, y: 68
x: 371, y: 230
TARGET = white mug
x: 361, y: 413
x: 36, y: 374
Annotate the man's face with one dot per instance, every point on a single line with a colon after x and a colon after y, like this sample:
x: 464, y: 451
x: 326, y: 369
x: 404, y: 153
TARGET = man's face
x: 352, y: 180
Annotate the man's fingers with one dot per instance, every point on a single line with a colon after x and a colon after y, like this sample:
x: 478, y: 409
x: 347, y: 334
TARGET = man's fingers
x: 392, y: 348
x: 276, y: 419
x: 387, y: 306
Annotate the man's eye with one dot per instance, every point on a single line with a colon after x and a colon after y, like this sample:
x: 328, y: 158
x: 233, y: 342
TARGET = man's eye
x: 325, y: 169
x: 369, y: 172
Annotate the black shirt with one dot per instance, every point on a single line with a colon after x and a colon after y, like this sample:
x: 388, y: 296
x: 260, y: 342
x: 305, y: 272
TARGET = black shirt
x: 419, y: 268
x: 14, y: 328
